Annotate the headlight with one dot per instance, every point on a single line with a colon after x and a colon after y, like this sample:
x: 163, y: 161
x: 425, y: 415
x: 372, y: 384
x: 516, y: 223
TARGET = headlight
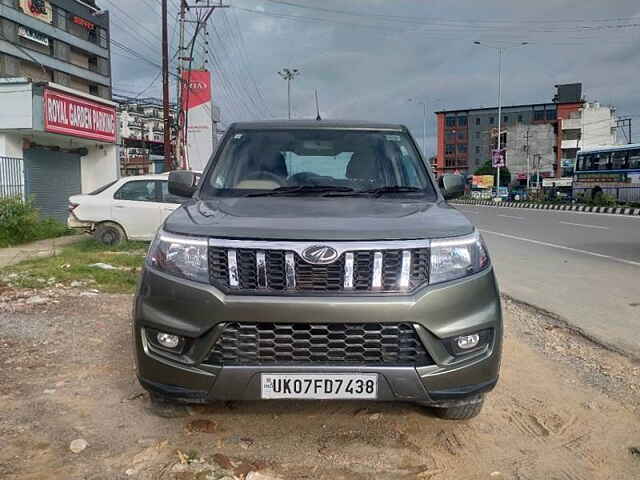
x: 182, y: 256
x: 454, y: 258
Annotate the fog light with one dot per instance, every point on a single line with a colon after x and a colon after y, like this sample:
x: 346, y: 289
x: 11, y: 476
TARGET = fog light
x: 167, y: 340
x: 467, y: 342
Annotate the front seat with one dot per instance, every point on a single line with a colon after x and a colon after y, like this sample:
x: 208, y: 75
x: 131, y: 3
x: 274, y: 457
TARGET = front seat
x: 365, y: 168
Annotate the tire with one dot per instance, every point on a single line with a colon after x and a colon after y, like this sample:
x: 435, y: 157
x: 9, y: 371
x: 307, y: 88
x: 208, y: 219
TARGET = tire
x: 460, y: 412
x: 110, y: 234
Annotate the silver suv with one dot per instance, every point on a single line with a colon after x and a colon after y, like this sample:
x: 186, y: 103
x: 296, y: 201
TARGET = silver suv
x: 319, y: 260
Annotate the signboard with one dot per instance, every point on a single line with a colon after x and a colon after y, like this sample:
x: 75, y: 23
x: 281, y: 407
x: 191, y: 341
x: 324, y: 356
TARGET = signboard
x: 498, y: 158
x: 557, y: 182
x: 70, y: 115
x: 40, y: 9
x: 198, y: 108
x: 601, y: 177
x: 482, y: 181
x: 34, y: 36
x: 83, y: 23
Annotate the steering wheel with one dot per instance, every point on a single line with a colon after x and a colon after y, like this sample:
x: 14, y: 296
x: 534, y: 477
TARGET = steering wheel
x: 310, y: 178
x: 262, y: 175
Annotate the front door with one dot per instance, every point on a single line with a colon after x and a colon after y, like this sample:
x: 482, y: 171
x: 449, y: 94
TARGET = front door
x: 136, y: 207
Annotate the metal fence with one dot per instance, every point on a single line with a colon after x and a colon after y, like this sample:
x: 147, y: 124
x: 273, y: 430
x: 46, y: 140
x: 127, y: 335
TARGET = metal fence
x: 11, y: 177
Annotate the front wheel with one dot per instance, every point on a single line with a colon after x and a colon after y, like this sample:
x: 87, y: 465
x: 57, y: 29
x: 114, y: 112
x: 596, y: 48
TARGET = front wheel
x: 463, y: 411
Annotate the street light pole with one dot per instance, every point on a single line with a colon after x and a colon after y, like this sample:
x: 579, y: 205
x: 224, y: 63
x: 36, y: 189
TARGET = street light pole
x: 289, y: 75
x: 499, y: 114
x: 424, y: 125
x: 500, y: 52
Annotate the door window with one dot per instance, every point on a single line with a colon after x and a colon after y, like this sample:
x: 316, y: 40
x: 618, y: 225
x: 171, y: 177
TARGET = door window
x: 138, y: 191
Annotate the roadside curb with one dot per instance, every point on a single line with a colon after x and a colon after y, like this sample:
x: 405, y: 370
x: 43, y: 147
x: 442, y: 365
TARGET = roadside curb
x: 551, y: 206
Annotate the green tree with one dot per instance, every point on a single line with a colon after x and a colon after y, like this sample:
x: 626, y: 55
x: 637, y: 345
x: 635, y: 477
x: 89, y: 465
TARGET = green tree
x: 488, y: 169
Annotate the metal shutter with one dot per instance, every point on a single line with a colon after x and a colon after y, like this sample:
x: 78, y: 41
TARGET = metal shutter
x: 51, y: 178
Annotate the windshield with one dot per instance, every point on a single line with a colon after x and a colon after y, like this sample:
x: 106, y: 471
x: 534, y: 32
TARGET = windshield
x: 322, y: 162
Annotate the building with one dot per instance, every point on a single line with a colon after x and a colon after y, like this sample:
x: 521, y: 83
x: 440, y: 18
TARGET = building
x: 58, y: 128
x: 537, y: 137
x: 141, y: 127
x: 61, y: 41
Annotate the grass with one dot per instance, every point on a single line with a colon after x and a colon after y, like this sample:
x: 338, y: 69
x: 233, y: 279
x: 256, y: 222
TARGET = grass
x: 73, y: 265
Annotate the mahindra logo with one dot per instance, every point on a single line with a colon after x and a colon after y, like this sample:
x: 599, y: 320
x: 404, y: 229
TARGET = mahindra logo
x: 320, y: 255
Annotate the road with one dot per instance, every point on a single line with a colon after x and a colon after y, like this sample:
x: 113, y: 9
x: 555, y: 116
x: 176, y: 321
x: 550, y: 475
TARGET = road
x: 582, y: 267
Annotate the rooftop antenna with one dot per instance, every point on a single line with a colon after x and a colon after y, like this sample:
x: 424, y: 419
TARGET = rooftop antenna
x: 318, y: 117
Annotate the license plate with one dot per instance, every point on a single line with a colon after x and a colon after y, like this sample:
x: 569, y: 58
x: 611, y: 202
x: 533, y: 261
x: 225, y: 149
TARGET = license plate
x: 320, y: 386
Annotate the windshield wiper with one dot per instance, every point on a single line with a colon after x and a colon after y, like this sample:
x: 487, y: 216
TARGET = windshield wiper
x: 301, y: 189
x: 391, y: 189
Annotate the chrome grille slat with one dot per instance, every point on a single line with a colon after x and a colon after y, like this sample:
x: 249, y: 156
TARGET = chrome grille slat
x: 376, y: 281
x: 386, y: 267
x: 405, y: 272
x: 232, y: 262
x: 261, y: 268
x: 290, y: 271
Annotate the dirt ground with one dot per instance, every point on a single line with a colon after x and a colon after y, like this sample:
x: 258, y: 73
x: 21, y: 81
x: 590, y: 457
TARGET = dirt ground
x: 565, y: 409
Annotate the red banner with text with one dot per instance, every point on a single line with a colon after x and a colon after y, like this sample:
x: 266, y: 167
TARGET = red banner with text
x: 70, y: 115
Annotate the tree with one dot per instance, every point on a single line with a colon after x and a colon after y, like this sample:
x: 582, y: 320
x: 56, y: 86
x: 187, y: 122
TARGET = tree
x: 488, y: 169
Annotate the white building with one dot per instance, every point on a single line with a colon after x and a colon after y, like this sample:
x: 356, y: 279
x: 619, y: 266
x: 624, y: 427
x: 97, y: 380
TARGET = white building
x: 592, y: 126
x: 141, y: 127
x: 54, y: 142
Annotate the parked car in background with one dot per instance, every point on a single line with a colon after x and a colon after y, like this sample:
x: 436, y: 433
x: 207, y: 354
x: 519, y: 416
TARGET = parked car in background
x: 131, y: 208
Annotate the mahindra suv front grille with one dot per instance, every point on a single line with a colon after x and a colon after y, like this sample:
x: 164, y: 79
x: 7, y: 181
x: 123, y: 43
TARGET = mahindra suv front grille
x: 244, y: 267
x: 393, y: 344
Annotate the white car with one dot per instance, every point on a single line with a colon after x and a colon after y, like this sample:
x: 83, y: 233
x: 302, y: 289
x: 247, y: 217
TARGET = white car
x: 131, y: 208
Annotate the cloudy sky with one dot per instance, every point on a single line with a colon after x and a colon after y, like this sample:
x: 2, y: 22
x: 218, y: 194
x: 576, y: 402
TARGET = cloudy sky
x: 367, y: 58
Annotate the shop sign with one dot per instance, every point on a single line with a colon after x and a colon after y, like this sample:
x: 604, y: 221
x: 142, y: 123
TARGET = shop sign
x: 483, y: 181
x: 40, y: 9
x: 34, y: 36
x: 83, y: 23
x: 70, y: 115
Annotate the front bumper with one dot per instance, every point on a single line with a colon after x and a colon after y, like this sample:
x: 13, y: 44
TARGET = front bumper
x: 193, y: 310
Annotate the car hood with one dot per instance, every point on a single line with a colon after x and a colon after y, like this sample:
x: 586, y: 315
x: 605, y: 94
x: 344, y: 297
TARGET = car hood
x: 318, y: 218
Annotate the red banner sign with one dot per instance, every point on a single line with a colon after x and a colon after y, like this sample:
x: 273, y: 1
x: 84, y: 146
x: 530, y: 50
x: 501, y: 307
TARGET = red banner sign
x: 76, y: 116
x: 83, y: 23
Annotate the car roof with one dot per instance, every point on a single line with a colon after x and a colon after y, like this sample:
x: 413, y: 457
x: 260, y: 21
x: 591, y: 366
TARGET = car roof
x: 159, y: 176
x: 319, y: 124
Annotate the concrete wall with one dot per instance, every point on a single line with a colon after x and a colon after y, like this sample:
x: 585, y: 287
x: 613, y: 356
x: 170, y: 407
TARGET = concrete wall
x: 598, y: 126
x: 541, y: 141
x: 11, y: 145
x: 16, y: 107
x: 98, y: 167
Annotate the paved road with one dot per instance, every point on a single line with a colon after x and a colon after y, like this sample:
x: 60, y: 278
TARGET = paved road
x: 583, y: 267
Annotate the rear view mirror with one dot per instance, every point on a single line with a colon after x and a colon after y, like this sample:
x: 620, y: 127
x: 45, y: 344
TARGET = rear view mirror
x: 183, y: 183
x: 452, y: 186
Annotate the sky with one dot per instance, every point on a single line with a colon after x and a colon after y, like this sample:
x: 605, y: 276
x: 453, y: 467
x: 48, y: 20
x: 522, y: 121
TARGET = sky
x: 368, y: 58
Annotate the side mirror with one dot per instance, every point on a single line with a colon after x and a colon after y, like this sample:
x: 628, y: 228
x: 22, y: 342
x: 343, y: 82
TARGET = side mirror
x: 183, y: 183
x: 452, y: 186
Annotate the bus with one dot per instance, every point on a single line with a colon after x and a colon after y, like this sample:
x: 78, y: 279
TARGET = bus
x: 611, y: 170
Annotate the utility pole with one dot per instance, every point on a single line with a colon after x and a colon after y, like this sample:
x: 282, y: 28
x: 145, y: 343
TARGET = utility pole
x: 424, y: 125
x: 500, y: 51
x: 622, y: 123
x: 289, y: 75
x: 528, y: 161
x: 186, y: 58
x: 165, y: 87
x: 181, y: 67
